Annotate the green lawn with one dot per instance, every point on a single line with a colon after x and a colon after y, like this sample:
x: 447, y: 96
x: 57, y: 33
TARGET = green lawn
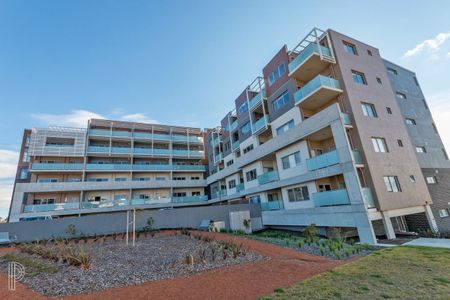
x: 395, y: 273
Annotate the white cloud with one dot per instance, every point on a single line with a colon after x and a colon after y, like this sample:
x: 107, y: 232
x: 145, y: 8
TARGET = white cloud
x: 430, y: 45
x: 8, y: 163
x: 440, y: 108
x: 6, y: 189
x: 448, y: 54
x: 79, y: 118
x: 76, y: 118
x: 139, y: 117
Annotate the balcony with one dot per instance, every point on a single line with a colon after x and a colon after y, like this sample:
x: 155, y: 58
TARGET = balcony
x: 260, y: 125
x: 218, y: 158
x: 108, y: 167
x: 357, y: 157
x: 308, y: 63
x: 322, y: 161
x: 331, y: 198
x: 240, y: 187
x: 215, y: 142
x: 235, y: 146
x: 368, y: 197
x: 50, y: 207
x: 234, y: 126
x: 346, y: 119
x: 99, y: 132
x: 317, y: 92
x: 189, y: 199
x: 98, y: 149
x: 220, y: 193
x: 121, y: 150
x: 272, y: 205
x: 268, y: 177
x: 56, y: 167
x: 257, y: 100
x: 152, y: 167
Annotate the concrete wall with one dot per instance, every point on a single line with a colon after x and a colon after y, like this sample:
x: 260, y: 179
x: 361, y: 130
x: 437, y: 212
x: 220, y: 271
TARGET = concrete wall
x: 116, y: 222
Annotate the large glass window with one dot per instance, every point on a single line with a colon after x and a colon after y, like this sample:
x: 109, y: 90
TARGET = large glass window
x: 359, y: 77
x: 369, y: 110
x: 277, y: 73
x: 300, y: 193
x: 350, y: 48
x: 280, y: 101
x: 285, y: 127
x: 392, y: 184
x: 246, y: 128
x: 291, y: 160
x: 23, y: 173
x: 250, y: 175
x: 232, y: 184
x: 379, y: 144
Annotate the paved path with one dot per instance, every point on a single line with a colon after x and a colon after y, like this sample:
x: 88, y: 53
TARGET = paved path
x: 247, y: 281
x: 430, y: 242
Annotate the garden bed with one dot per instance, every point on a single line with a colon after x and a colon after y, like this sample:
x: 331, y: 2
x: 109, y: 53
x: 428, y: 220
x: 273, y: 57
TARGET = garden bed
x: 336, y: 248
x: 114, y: 264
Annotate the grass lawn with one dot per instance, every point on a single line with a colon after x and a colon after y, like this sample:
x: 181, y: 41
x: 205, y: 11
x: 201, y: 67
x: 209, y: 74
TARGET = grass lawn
x: 395, y: 273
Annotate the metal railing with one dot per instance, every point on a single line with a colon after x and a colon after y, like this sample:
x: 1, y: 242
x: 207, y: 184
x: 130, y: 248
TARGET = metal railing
x: 268, y: 177
x: 272, y: 205
x: 322, y: 161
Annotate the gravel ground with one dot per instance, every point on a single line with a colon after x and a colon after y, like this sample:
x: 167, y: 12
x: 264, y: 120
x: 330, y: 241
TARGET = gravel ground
x: 314, y: 248
x: 115, y: 264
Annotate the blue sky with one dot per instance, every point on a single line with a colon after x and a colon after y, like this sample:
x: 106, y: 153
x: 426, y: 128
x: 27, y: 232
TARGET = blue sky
x: 184, y: 62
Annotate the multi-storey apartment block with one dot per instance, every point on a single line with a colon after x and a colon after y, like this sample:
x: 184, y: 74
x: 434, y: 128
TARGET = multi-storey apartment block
x: 320, y: 137
x: 109, y: 166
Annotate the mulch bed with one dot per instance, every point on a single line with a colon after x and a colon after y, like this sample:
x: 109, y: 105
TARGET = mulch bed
x: 252, y: 279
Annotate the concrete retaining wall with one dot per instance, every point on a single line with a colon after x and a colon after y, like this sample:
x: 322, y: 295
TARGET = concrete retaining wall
x: 116, y: 222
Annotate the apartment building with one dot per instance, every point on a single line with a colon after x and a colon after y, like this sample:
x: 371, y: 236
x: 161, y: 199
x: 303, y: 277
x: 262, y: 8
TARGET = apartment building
x: 321, y: 138
x: 424, y: 136
x: 330, y: 133
x: 108, y: 166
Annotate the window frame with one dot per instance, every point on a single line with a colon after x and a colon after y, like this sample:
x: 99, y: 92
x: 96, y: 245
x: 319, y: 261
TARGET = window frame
x: 355, y: 75
x: 350, y: 48
x: 365, y: 106
x: 303, y: 191
x: 390, y: 182
x: 379, y: 144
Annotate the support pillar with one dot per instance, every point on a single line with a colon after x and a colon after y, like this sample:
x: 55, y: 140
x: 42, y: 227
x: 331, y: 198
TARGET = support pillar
x: 366, y: 235
x: 388, y: 228
x: 431, y: 219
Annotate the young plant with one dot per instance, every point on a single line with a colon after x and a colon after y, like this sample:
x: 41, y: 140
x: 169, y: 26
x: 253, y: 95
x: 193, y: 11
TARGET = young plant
x: 189, y: 260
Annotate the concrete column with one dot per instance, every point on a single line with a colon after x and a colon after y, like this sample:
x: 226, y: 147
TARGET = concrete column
x: 366, y: 235
x: 431, y: 219
x: 388, y: 228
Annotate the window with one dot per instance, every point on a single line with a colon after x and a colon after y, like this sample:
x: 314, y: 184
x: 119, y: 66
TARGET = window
x: 179, y: 178
x: 359, y: 77
x: 179, y: 194
x: 47, y: 180
x: 392, y: 184
x: 73, y: 179
x: 275, y: 75
x: 248, y: 149
x: 243, y: 108
x: 23, y: 173
x: 445, y: 154
x: 412, y: 178
x: 400, y: 143
x: 389, y: 110
x: 410, y: 121
x: 369, y: 110
x: 195, y: 178
x: 251, y: 175
x: 421, y: 149
x: 431, y: 179
x: 298, y: 194
x: 285, y: 127
x: 121, y: 179
x: 230, y: 162
x: 400, y: 95
x: 379, y: 80
x: 290, y: 161
x: 160, y: 178
x: 392, y: 71
x: 255, y: 199
x: 141, y: 179
x: 369, y: 52
x: 350, y: 48
x: 280, y: 101
x: 26, y: 156
x: 232, y: 184
x: 443, y: 213
x: 196, y: 193
x: 246, y: 128
x: 379, y: 144
x: 58, y: 141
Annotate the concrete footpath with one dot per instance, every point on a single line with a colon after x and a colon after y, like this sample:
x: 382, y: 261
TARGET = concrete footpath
x: 430, y: 242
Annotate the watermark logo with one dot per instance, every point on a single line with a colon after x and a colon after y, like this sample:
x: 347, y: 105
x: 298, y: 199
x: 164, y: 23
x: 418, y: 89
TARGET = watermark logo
x: 16, y: 272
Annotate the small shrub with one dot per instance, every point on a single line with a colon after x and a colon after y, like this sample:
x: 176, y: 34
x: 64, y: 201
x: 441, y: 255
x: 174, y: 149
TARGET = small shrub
x: 247, y: 223
x: 189, y: 260
x: 287, y: 242
x: 322, y: 250
x: 347, y: 252
x: 279, y: 290
x: 300, y: 243
x: 311, y: 231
